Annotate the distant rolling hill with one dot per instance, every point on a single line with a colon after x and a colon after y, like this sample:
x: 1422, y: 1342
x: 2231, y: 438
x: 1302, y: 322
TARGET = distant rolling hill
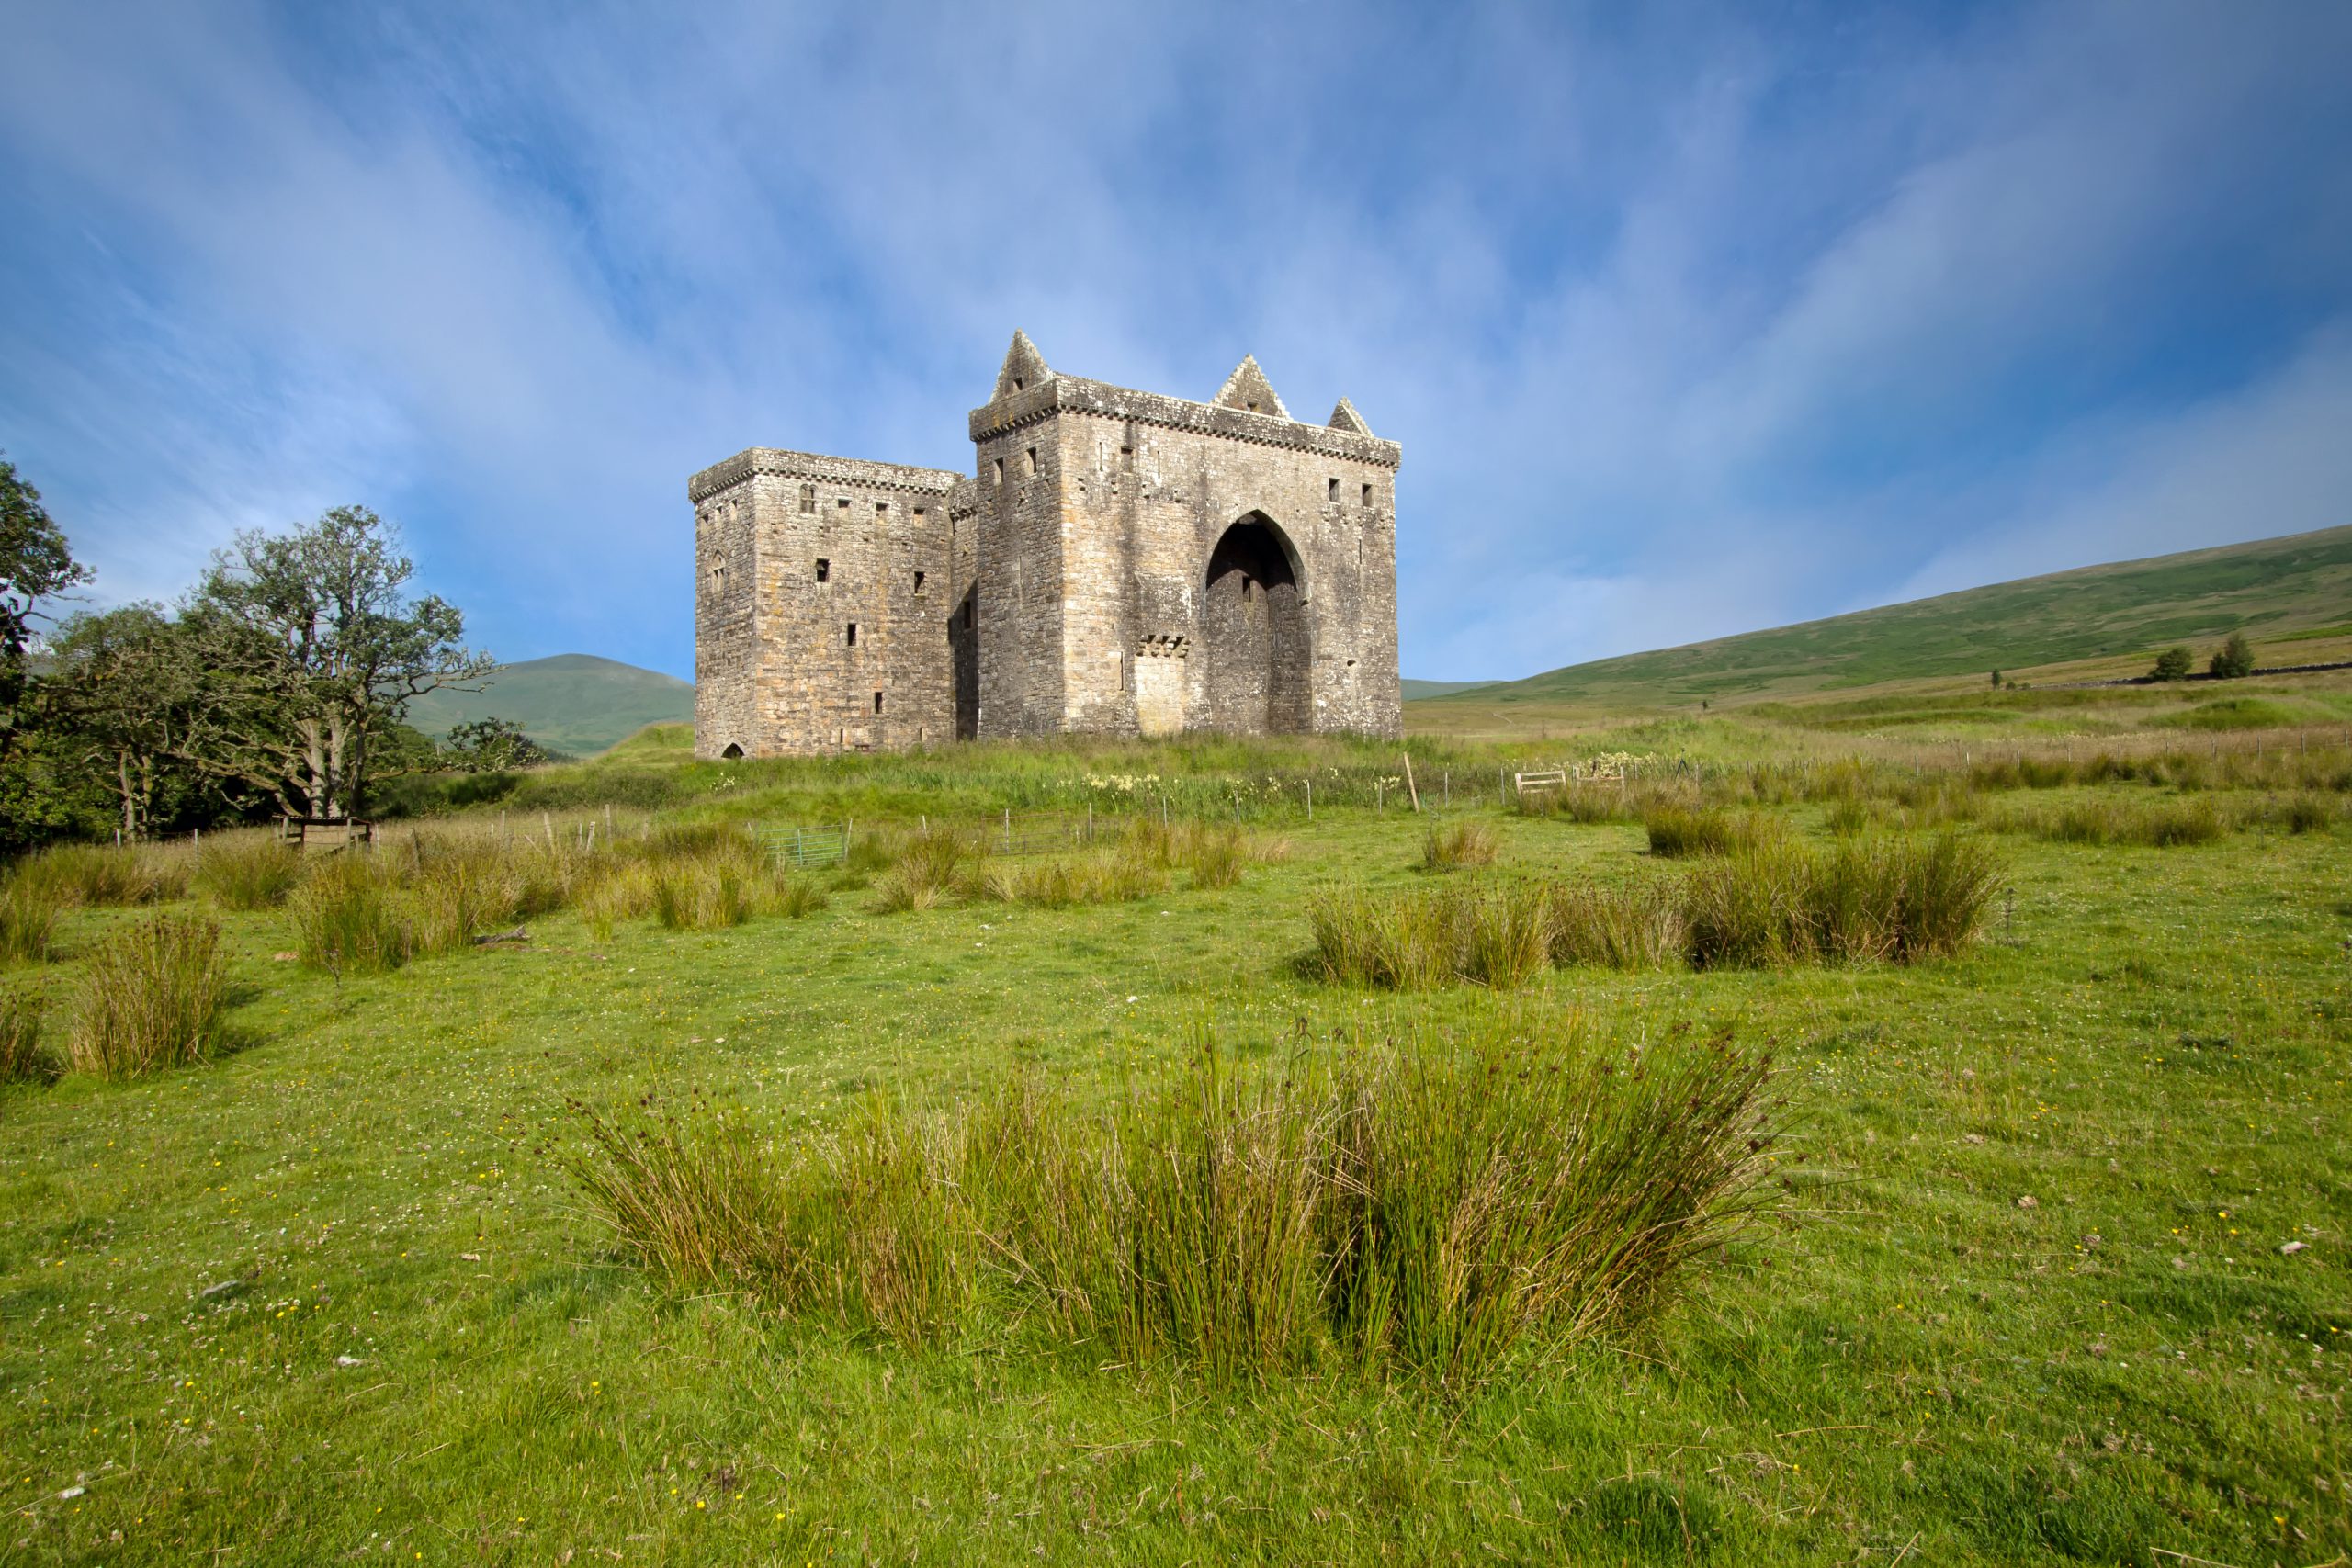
x: 1415, y: 690
x: 573, y: 702
x: 2267, y: 588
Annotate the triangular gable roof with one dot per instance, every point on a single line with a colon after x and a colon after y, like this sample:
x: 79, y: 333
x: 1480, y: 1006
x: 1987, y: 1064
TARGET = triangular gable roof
x: 1023, y: 368
x: 1248, y: 389
x: 1345, y: 417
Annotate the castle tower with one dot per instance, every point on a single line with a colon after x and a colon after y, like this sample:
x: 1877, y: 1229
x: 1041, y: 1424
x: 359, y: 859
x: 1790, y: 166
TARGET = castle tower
x: 1148, y: 565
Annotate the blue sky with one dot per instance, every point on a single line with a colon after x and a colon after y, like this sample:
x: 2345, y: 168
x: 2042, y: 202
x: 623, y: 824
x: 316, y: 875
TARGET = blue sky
x: 1691, y: 319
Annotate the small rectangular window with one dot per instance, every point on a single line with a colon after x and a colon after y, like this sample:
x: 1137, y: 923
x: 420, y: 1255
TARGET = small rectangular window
x: 999, y: 470
x: 880, y: 507
x: 878, y: 704
x: 851, y: 640
x: 1032, y: 459
x: 917, y: 582
x: 824, y: 569
x: 919, y: 511
x: 1367, y: 495
x: 808, y: 498
x: 843, y: 505
x: 1331, y: 491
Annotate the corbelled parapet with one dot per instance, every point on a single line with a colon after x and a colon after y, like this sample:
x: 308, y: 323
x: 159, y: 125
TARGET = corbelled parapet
x: 817, y: 468
x: 1064, y: 393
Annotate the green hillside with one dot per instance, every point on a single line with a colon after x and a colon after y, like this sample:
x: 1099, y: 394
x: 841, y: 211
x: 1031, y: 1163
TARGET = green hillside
x: 573, y: 702
x: 2269, y: 589
x: 1416, y: 689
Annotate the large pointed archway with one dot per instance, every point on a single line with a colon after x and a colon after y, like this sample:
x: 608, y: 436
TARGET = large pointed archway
x: 1254, y: 654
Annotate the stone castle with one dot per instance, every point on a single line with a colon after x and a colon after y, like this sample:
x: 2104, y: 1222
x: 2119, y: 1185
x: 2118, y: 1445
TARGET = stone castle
x: 1122, y: 563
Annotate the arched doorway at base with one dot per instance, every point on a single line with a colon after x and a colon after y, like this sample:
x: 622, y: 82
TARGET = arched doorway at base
x: 1253, y: 660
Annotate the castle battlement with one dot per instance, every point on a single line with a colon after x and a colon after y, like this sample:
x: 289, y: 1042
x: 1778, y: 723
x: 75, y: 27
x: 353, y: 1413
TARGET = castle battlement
x: 1121, y: 562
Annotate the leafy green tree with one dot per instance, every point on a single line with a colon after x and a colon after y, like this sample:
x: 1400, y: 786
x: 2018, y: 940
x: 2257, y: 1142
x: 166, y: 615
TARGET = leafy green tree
x: 38, y: 798
x: 127, y: 693
x: 2172, y: 664
x: 2235, y: 659
x: 312, y: 653
x: 491, y: 746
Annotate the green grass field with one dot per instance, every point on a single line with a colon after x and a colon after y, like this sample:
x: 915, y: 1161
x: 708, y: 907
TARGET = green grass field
x: 2023, y: 1297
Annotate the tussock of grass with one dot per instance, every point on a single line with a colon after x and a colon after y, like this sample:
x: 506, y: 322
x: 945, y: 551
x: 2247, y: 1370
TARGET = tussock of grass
x: 28, y: 919
x: 2158, y: 825
x: 1064, y: 880
x: 1440, y: 1210
x: 1678, y: 830
x: 1464, y: 844
x: 247, y: 872
x: 1774, y: 901
x: 1584, y: 803
x: 22, y: 1059
x: 151, y: 998
x: 1638, y: 926
x: 1893, y: 898
x: 345, y: 921
x: 95, y: 876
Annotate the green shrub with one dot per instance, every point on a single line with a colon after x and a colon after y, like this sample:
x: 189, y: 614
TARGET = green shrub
x: 22, y: 1060
x: 151, y: 998
x: 345, y: 921
x: 2235, y: 659
x: 247, y: 872
x: 1466, y: 843
x: 2172, y: 664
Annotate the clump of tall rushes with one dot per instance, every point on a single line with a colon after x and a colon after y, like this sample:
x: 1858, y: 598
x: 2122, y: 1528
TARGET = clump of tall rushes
x: 344, y: 917
x: 1896, y: 898
x: 703, y: 893
x: 1531, y: 1192
x: 927, y: 871
x: 2162, y: 824
x: 99, y: 876
x: 1642, y: 927
x: 1465, y: 843
x: 1445, y: 1210
x: 151, y: 998
x: 1678, y: 830
x: 22, y: 1060
x: 700, y: 1208
x: 1059, y: 882
x: 1401, y: 942
x: 28, y: 919
x: 248, y: 872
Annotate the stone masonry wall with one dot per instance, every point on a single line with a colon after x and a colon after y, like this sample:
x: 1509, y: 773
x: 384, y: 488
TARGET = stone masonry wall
x: 1103, y: 560
x: 832, y: 545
